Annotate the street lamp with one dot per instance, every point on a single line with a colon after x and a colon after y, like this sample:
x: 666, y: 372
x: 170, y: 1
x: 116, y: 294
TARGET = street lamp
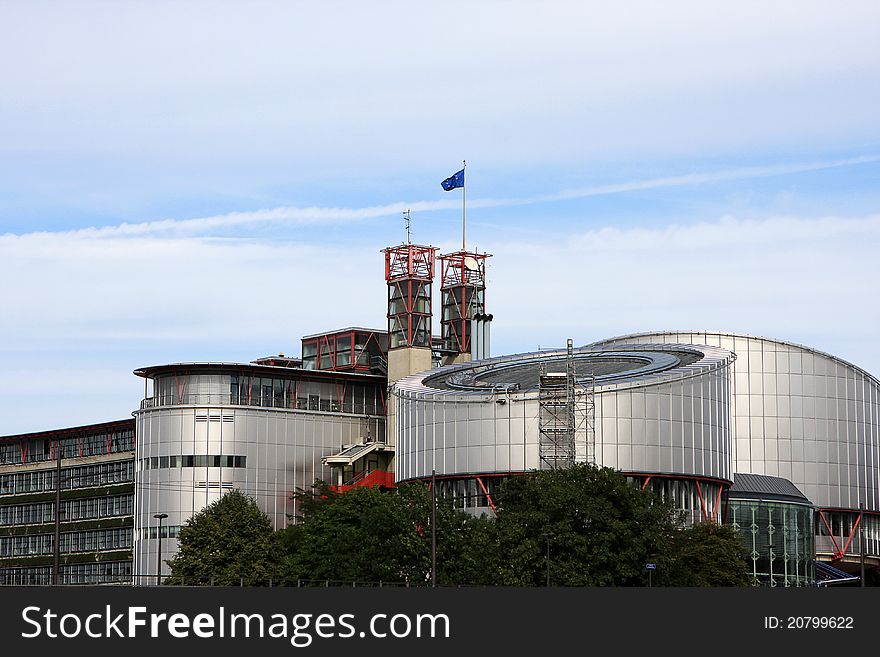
x: 160, y: 517
x: 548, y: 536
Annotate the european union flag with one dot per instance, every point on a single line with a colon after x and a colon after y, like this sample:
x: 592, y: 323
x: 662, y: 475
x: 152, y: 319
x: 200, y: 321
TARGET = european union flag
x: 453, y: 181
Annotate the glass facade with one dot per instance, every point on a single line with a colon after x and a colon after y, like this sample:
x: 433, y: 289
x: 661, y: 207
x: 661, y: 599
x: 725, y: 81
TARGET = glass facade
x: 345, y: 350
x: 780, y: 540
x: 471, y: 494
x: 80, y: 476
x: 193, y: 461
x: 218, y: 428
x: 837, y: 529
x: 97, y: 540
x: 105, y: 572
x: 108, y: 506
x: 97, y: 503
x: 242, y: 389
x: 696, y: 501
x: 34, y: 449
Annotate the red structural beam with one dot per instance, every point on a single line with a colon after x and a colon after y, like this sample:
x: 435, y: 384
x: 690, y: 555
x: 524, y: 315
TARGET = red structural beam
x: 409, y: 261
x: 488, y: 496
x: 831, y: 535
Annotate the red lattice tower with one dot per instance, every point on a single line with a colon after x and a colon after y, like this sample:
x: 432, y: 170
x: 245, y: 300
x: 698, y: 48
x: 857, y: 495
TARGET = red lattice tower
x: 463, y: 292
x: 409, y: 273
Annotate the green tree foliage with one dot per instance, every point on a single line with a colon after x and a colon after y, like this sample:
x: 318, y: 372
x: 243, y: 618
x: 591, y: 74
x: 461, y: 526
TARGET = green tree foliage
x: 704, y: 555
x: 229, y: 540
x: 602, y: 529
x: 365, y: 535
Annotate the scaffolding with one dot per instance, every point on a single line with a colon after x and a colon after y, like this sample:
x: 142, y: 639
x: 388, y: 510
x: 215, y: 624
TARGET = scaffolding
x: 566, y: 416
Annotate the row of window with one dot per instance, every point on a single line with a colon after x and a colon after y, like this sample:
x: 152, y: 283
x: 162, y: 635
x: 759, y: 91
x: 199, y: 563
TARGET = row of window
x: 80, y: 573
x: 168, y: 531
x: 84, y: 541
x: 467, y: 493
x: 232, y: 389
x: 44, y: 449
x: 81, y: 476
x: 330, y: 352
x: 84, y: 509
x: 193, y: 461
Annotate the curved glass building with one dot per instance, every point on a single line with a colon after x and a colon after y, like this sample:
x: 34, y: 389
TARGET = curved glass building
x: 808, y: 417
x: 776, y: 524
x: 207, y: 428
x: 657, y: 412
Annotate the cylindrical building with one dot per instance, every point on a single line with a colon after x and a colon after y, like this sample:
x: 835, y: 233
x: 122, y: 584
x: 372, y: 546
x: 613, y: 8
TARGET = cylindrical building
x: 207, y: 428
x: 659, y: 413
x: 808, y: 417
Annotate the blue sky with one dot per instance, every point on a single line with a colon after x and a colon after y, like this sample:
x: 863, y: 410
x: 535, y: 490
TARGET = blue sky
x: 210, y: 181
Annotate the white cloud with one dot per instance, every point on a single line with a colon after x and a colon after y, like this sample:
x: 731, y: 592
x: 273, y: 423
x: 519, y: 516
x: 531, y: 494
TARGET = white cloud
x: 147, y: 299
x: 330, y: 215
x: 322, y: 86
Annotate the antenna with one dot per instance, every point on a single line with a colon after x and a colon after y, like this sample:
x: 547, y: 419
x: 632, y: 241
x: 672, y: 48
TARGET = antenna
x: 407, y: 220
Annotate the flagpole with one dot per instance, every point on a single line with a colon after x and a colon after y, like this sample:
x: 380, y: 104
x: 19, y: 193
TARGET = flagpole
x: 463, y: 204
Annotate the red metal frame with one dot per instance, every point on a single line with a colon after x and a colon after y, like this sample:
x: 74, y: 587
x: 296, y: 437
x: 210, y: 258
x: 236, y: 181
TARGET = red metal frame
x: 381, y: 478
x: 837, y: 553
x: 409, y: 270
x: 840, y: 552
x: 717, y: 503
x: 409, y: 261
x: 181, y: 392
x: 486, y: 493
x: 462, y: 271
x: 328, y: 344
x: 702, y: 502
x: 704, y: 512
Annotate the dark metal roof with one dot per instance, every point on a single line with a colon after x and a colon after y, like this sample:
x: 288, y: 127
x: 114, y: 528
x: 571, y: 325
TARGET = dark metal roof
x: 103, y: 427
x: 827, y: 575
x: 173, y: 368
x: 525, y: 374
x: 763, y: 487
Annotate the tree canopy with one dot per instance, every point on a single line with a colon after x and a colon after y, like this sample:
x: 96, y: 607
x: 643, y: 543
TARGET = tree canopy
x: 705, y: 554
x: 601, y: 529
x: 227, y: 541
x: 368, y: 535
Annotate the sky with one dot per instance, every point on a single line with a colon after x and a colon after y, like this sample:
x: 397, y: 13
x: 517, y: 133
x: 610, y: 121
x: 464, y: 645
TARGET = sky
x: 209, y: 181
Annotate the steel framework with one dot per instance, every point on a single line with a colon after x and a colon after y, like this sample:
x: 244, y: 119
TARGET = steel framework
x: 566, y: 417
x: 463, y: 292
x: 409, y: 273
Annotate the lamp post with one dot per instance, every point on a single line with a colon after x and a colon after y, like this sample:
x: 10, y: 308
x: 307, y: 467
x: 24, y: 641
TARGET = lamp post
x: 861, y: 544
x: 160, y: 517
x: 56, y: 547
x: 548, y: 536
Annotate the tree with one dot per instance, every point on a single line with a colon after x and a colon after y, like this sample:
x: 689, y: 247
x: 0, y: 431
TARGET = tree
x: 601, y: 529
x: 704, y: 555
x: 228, y: 540
x: 366, y: 535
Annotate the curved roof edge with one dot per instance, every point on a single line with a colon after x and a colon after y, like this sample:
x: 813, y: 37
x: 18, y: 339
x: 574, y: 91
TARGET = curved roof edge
x: 712, y: 358
x: 748, y: 486
x: 733, y: 334
x: 153, y: 370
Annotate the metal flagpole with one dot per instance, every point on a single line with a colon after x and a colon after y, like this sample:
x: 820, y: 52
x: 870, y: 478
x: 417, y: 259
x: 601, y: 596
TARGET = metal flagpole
x: 463, y: 203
